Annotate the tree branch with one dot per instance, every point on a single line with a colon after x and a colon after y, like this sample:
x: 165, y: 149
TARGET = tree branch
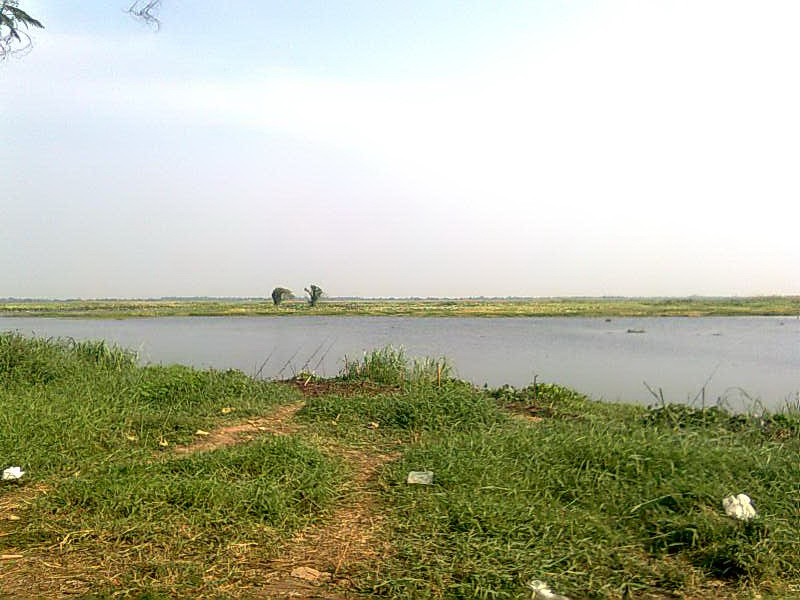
x: 145, y: 11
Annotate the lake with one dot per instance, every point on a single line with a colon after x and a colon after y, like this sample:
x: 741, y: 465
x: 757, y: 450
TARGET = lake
x: 735, y: 358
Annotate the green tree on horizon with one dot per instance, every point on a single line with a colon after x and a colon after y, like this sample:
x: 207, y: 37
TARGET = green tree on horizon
x: 279, y: 294
x: 314, y: 294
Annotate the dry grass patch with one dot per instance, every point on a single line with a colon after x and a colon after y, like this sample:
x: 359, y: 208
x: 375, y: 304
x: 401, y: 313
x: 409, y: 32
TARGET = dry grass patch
x: 313, y: 387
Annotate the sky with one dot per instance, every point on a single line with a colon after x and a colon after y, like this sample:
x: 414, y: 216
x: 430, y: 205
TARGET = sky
x: 414, y: 148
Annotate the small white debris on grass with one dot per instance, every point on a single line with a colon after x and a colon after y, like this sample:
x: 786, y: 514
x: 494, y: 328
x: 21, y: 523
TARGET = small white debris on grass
x: 420, y: 477
x: 201, y: 432
x: 541, y: 591
x: 12, y: 473
x: 739, y: 507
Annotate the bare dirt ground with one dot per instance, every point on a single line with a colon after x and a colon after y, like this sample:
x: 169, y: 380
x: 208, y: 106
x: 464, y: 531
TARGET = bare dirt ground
x: 320, y: 561
x: 278, y: 422
x: 321, y: 387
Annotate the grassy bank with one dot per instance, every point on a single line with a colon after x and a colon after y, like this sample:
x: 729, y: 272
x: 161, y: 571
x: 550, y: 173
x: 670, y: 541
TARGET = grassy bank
x: 588, y: 307
x: 169, y: 482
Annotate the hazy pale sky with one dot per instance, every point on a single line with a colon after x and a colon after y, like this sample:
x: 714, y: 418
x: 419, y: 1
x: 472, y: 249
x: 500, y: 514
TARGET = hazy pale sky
x: 415, y: 147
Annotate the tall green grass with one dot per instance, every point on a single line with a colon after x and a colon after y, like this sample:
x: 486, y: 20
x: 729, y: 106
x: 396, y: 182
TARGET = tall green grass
x: 413, y: 394
x: 452, y: 406
x: 36, y: 361
x: 599, y: 502
x: 391, y: 366
x: 67, y: 406
x: 98, y: 430
x: 281, y: 482
x: 183, y: 526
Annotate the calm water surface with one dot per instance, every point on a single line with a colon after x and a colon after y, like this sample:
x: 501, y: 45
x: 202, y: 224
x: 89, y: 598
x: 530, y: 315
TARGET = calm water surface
x: 739, y: 357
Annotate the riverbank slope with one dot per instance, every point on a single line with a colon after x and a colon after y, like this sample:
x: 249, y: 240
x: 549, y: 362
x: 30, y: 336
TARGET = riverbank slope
x: 166, y: 481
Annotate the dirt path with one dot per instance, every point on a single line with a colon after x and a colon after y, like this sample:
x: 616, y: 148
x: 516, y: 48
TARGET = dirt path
x: 321, y: 561
x: 278, y: 422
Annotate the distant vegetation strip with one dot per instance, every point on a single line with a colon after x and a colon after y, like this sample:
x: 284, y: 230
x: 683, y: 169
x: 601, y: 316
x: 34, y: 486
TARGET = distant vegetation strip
x: 494, y: 307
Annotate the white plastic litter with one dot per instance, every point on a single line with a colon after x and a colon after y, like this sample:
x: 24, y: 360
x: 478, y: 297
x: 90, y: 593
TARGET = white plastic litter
x: 542, y: 591
x: 739, y: 507
x: 12, y: 473
x: 420, y: 477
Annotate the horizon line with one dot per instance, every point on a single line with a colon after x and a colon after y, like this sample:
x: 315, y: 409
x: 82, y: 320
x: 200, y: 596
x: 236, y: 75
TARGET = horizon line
x: 9, y: 299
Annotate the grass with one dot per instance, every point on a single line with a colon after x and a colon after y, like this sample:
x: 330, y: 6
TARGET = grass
x: 597, y: 512
x: 454, y: 406
x: 599, y: 500
x: 281, y: 482
x: 462, y: 307
x: 184, y: 518
x: 391, y: 366
x: 257, y: 492
x: 67, y: 406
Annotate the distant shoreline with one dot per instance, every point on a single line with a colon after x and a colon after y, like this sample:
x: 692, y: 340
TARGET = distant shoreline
x: 695, y: 306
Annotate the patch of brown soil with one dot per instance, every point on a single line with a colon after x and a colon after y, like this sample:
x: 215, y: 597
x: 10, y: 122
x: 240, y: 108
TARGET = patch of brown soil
x: 321, y: 561
x: 14, y: 501
x: 322, y: 387
x: 531, y: 411
x: 48, y: 575
x: 276, y: 423
x: 34, y: 573
x: 19, y: 496
x: 527, y: 418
